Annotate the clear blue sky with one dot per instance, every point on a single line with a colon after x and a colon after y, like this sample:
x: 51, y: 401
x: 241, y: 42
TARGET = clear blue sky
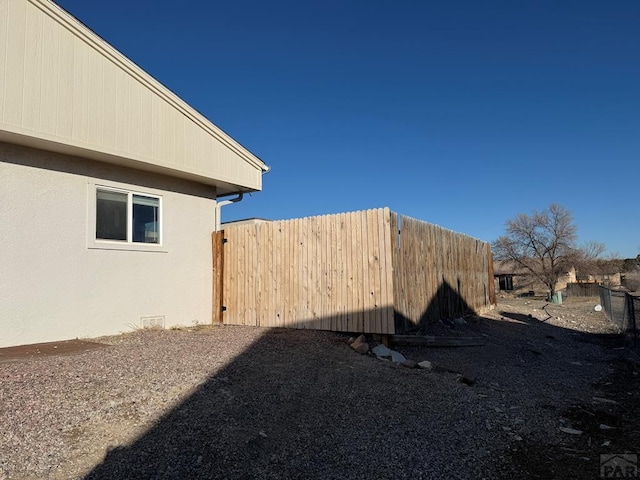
x: 460, y: 113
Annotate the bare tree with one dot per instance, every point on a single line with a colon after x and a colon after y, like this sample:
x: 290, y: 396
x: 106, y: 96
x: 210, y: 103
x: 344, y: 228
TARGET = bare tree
x: 587, y: 260
x: 544, y: 245
x: 594, y: 249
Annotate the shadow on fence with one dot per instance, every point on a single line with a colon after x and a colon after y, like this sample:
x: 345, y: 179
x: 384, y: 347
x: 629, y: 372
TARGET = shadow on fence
x: 446, y: 303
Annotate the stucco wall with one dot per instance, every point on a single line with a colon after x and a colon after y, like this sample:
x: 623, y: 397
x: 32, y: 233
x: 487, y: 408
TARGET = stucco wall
x: 54, y: 287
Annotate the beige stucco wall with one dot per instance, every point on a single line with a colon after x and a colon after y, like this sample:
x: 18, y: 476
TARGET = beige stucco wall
x: 53, y: 286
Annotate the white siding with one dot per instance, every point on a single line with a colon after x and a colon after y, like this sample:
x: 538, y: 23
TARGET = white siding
x: 62, y: 83
x: 53, y: 287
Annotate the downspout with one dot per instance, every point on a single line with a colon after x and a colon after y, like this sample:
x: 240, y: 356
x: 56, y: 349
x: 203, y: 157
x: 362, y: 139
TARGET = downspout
x: 223, y: 203
x: 219, y: 205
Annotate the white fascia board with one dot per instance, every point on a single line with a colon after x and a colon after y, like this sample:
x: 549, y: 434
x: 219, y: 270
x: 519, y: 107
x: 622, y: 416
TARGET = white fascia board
x: 13, y: 135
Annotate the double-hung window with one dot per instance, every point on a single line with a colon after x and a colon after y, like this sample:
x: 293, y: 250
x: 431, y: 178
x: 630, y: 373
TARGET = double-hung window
x: 127, y: 217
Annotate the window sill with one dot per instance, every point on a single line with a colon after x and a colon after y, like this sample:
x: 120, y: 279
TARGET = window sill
x: 131, y: 247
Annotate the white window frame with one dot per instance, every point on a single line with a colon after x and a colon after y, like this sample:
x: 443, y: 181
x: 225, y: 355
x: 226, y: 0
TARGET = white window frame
x: 129, y: 244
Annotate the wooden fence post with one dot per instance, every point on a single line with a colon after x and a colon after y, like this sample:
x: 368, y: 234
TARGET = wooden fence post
x: 629, y: 301
x: 217, y: 244
x: 493, y: 299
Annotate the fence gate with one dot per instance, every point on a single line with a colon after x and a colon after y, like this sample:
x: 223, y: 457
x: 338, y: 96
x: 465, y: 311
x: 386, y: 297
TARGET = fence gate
x: 217, y: 242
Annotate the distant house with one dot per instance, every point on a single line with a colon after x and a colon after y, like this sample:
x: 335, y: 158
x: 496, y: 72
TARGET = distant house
x: 511, y: 277
x: 612, y: 279
x: 245, y: 221
x: 108, y: 186
x: 508, y: 276
x: 505, y: 282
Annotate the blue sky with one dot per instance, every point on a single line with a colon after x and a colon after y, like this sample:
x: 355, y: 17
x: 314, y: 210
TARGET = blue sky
x: 460, y: 113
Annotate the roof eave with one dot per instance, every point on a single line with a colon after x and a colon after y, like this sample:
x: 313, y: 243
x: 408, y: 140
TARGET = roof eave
x: 81, y: 30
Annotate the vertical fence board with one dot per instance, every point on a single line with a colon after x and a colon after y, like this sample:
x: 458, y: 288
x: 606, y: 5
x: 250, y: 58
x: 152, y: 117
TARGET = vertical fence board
x: 234, y: 275
x: 336, y: 292
x: 382, y: 272
x: 386, y: 271
x: 374, y: 256
x: 290, y: 299
x: 282, y: 269
x: 331, y: 305
x: 279, y: 267
x: 241, y: 291
x: 244, y: 290
x: 324, y: 243
x: 371, y: 276
x: 334, y: 298
x: 348, y: 246
x: 276, y: 246
x: 267, y: 278
x: 255, y: 272
x: 394, y: 238
x: 337, y: 254
x: 318, y: 294
x: 250, y: 294
x: 313, y: 265
x: 237, y: 291
x: 300, y: 271
x: 293, y: 274
x: 308, y: 272
x: 303, y: 298
x: 364, y: 274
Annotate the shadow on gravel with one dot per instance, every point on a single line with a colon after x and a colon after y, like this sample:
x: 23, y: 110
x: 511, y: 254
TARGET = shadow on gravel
x: 607, y: 419
x: 609, y: 426
x: 303, y: 405
x: 300, y: 405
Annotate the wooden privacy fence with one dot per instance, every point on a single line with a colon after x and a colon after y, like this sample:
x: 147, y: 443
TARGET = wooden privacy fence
x: 437, y: 273
x: 371, y: 271
x: 582, y: 290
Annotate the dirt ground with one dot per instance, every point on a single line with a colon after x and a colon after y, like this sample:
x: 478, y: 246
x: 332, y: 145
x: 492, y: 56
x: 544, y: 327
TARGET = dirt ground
x: 608, y: 416
x: 552, y: 388
x: 39, y: 350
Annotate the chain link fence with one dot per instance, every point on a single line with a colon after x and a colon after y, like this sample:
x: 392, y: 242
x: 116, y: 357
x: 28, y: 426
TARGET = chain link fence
x: 621, y: 308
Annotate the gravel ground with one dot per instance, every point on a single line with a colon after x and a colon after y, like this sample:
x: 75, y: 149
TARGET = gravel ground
x: 242, y: 402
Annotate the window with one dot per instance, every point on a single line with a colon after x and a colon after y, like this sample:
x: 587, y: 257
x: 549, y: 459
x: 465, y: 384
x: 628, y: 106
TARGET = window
x: 127, y: 217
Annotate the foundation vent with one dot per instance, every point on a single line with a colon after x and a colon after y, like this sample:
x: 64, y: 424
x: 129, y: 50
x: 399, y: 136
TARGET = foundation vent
x: 152, y: 322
